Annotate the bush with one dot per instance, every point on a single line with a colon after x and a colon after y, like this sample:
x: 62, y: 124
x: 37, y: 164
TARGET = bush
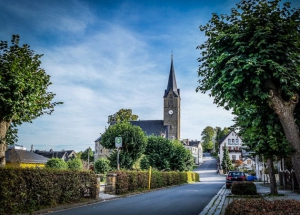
x: 102, y: 166
x: 263, y: 207
x: 243, y: 188
x: 27, y: 190
x: 75, y: 164
x: 56, y: 163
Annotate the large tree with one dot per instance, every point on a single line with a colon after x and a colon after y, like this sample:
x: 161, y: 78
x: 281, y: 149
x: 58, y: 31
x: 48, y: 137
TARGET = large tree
x: 164, y: 154
x: 263, y: 135
x: 134, y: 142
x: 252, y: 55
x: 122, y: 115
x: 23, y: 88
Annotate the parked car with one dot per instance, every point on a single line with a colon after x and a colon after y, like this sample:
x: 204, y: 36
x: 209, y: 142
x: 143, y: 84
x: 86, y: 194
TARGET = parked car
x: 251, y: 178
x: 234, y: 176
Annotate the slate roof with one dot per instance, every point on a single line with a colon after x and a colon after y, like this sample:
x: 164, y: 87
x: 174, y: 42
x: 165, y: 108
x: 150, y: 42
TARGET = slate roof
x: 194, y: 143
x: 55, y: 154
x: 172, y: 85
x: 23, y: 156
x: 151, y: 127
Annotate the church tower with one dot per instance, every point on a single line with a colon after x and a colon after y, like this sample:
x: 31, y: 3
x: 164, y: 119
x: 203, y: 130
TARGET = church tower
x: 172, y: 106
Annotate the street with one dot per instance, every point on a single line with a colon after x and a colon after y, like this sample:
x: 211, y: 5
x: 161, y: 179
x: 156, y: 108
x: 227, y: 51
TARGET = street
x: 188, y: 199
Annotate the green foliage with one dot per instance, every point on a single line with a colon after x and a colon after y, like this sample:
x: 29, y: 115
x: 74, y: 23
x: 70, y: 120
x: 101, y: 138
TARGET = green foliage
x: 144, y: 163
x: 102, y: 166
x: 246, y: 53
x: 261, y: 206
x: 23, y: 84
x: 208, y: 138
x: 130, y: 181
x: 164, y: 154
x: 243, y: 188
x: 122, y: 115
x: 87, y: 154
x: 27, y: 190
x: 56, y: 163
x: 226, y: 163
x: 134, y: 142
x: 75, y: 164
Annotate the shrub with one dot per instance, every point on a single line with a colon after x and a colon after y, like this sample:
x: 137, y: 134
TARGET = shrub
x: 75, y: 164
x: 102, y: 166
x: 243, y: 188
x: 56, y: 163
x: 263, y: 207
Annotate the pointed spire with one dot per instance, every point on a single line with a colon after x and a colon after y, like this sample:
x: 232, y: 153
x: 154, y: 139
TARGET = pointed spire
x: 172, y: 80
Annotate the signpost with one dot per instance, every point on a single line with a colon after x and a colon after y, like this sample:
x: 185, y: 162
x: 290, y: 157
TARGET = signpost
x: 118, y: 144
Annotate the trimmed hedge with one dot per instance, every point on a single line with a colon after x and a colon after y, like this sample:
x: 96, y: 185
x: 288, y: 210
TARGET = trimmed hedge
x: 243, y: 188
x: 27, y: 190
x: 130, y: 181
x: 263, y: 207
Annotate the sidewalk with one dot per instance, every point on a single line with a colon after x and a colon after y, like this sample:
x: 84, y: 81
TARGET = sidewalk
x: 219, y: 203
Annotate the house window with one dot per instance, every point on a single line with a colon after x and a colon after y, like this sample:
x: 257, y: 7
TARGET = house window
x: 240, y: 157
x: 237, y: 140
x: 232, y: 140
x: 223, y: 148
x: 233, y: 157
x: 249, y: 162
x: 229, y: 141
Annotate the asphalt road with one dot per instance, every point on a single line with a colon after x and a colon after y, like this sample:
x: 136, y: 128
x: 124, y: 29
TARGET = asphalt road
x: 188, y: 199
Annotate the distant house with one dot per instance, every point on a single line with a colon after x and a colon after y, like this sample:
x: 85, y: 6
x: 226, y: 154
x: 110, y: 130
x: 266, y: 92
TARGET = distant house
x: 196, y: 148
x: 63, y: 154
x: 234, y: 145
x: 249, y: 163
x: 24, y: 159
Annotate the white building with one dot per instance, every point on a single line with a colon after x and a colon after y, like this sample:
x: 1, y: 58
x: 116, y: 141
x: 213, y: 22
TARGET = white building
x: 234, y: 145
x: 196, y: 148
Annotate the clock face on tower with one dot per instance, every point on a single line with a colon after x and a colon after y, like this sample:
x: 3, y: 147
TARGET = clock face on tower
x: 170, y: 112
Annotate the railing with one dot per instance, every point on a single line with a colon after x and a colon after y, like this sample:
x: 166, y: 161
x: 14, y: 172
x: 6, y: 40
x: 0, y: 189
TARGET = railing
x: 234, y: 150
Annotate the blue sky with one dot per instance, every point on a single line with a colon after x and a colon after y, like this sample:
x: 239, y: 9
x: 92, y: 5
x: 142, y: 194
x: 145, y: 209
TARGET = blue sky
x: 111, y: 54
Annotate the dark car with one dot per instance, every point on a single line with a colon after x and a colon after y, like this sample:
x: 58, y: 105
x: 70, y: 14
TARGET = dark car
x: 234, y: 176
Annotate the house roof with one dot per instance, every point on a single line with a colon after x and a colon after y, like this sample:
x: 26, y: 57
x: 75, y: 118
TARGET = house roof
x: 194, y: 143
x: 23, y: 156
x: 172, y: 85
x: 55, y: 154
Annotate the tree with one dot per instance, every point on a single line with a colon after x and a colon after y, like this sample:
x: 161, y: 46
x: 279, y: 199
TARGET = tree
x: 134, y: 142
x: 208, y: 136
x: 75, y: 164
x: 226, y: 163
x: 56, y: 163
x: 102, y: 166
x: 23, y: 88
x: 252, y: 55
x: 263, y: 134
x: 164, y: 154
x: 122, y: 115
x: 88, y: 154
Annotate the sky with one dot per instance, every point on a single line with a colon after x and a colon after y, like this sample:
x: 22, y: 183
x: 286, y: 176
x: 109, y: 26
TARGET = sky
x: 105, y: 55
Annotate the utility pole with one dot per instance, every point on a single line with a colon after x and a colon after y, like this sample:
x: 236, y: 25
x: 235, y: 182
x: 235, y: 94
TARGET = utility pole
x: 89, y: 158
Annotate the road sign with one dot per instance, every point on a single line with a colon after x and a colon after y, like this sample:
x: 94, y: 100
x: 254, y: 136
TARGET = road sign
x: 118, y: 142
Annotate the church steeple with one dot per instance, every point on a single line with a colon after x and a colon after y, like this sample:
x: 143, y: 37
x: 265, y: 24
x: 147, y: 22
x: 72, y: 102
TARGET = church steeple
x: 172, y: 106
x: 172, y: 86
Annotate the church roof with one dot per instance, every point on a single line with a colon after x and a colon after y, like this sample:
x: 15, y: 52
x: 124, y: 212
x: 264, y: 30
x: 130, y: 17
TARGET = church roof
x: 151, y: 127
x: 172, y: 86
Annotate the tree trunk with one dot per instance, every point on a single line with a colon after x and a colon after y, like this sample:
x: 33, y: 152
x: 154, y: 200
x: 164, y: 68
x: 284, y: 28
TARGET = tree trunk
x: 285, y: 112
x: 273, y: 185
x: 3, y: 129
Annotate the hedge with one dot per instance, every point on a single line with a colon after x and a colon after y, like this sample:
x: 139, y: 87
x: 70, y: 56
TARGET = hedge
x: 131, y: 181
x: 27, y: 190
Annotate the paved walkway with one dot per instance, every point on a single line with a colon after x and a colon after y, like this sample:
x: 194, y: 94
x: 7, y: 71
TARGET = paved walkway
x: 219, y: 203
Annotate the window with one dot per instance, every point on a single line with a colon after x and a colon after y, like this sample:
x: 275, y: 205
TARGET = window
x: 229, y: 141
x: 233, y: 157
x: 232, y: 140
x: 249, y: 162
x: 237, y: 140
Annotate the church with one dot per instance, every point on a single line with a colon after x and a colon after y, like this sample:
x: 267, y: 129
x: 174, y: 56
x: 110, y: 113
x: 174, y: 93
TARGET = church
x: 169, y: 127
